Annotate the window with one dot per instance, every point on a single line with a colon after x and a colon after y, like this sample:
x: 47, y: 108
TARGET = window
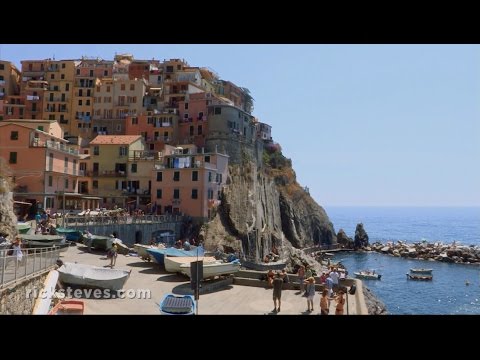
x: 66, y: 184
x: 209, y: 176
x: 80, y: 101
x: 200, y: 130
x: 159, y: 176
x: 207, y: 158
x: 210, y: 194
x: 134, y: 168
x: 91, y: 73
x: 50, y: 181
x: 195, y: 175
x: 186, y: 106
x: 78, y: 71
x: 192, y: 130
x: 105, y: 72
x: 62, y: 76
x: 67, y: 87
x: 63, y: 65
x: 96, y: 150
x: 66, y: 163
x: 132, y: 87
x: 14, y: 135
x: 194, y: 194
x: 159, y: 193
x: 2, y: 66
x: 108, y: 89
x: 95, y: 184
x: 176, y: 193
x: 218, y: 111
x: 52, y: 76
x: 13, y: 158
x: 88, y: 102
x: 123, y: 151
x: 122, y: 87
x: 176, y: 176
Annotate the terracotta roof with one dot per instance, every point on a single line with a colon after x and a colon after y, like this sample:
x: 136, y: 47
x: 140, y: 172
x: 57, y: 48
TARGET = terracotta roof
x: 114, y: 139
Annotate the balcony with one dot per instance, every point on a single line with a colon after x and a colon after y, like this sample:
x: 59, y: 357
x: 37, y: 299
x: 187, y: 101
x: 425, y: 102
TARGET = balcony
x: 33, y: 98
x: 56, y: 145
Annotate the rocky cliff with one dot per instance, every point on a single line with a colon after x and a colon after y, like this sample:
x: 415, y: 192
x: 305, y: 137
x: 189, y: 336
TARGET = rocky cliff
x: 263, y: 207
x: 8, y: 220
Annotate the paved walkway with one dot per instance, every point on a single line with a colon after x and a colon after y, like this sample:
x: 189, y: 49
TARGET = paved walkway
x: 235, y: 299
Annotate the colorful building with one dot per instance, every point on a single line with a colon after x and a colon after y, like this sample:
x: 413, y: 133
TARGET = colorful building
x: 186, y: 181
x: 109, y: 156
x: 45, y: 167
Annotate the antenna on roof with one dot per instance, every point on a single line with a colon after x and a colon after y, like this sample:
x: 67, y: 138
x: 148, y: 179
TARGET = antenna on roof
x: 53, y: 56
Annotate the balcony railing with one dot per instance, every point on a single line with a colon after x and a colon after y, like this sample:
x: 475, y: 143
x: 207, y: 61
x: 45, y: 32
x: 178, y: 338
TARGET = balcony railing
x: 113, y: 173
x: 54, y: 145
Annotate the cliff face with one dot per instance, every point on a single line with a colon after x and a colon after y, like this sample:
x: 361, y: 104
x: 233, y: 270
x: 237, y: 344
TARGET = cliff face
x: 264, y: 207
x: 8, y: 220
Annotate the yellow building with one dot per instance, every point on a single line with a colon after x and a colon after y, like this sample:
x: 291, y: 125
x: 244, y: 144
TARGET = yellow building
x: 57, y: 99
x: 88, y: 73
x: 9, y: 83
x: 109, y: 157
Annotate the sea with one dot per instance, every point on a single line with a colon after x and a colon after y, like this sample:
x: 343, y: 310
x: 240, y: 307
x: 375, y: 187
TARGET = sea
x: 455, y: 288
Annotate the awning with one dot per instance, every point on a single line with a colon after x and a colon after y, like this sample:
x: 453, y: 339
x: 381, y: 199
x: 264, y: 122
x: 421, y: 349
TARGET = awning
x: 22, y: 203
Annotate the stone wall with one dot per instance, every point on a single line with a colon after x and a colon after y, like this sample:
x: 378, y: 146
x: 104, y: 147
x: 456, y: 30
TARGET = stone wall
x: 14, y: 299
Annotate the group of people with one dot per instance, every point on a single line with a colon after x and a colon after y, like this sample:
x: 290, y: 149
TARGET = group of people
x: 308, y: 284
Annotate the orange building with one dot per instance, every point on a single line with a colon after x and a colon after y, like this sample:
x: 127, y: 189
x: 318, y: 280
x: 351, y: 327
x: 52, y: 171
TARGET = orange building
x: 45, y: 167
x: 156, y: 129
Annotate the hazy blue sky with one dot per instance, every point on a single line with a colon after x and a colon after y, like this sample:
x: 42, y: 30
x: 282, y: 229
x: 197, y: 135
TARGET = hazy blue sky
x: 363, y: 124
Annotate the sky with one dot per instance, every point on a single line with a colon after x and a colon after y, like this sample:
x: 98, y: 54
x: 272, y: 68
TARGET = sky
x: 364, y: 125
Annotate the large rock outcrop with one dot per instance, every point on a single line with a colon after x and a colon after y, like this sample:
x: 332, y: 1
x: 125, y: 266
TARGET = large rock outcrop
x: 361, y: 237
x: 344, y: 240
x: 8, y: 220
x: 262, y: 208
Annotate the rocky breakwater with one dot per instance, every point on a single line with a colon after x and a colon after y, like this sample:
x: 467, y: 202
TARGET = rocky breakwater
x: 450, y: 253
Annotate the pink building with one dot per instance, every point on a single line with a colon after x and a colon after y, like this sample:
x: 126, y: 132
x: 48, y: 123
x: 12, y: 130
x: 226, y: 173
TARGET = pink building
x: 189, y: 182
x: 156, y: 129
x: 193, y: 119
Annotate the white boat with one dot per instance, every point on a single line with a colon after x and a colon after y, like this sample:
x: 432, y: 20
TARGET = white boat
x: 45, y: 296
x: 368, y: 275
x: 173, y: 263
x: 214, y: 268
x: 94, y: 276
x: 142, y: 251
x: 421, y: 271
x: 425, y: 277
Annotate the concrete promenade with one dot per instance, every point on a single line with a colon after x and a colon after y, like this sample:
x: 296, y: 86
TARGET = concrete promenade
x: 232, y: 300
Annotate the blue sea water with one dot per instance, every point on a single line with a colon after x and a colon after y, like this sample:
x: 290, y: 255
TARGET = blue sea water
x: 447, y: 293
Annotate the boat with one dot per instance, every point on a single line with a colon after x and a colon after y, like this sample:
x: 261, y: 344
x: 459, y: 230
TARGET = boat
x: 177, y: 305
x: 70, y: 234
x: 214, y: 268
x: 173, y: 263
x: 39, y: 240
x: 45, y: 297
x: 68, y: 307
x: 23, y: 227
x: 141, y: 250
x: 421, y: 271
x: 425, y: 277
x: 367, y: 275
x: 158, y: 255
x: 94, y: 276
x: 99, y: 242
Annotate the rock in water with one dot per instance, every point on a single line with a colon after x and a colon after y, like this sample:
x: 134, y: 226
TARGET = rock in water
x: 361, y: 236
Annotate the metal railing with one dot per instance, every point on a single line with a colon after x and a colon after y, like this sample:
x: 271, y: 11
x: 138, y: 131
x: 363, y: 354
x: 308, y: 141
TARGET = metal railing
x: 34, y: 261
x: 74, y: 221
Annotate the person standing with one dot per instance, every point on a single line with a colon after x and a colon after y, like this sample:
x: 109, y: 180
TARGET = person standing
x: 301, y: 277
x: 324, y: 303
x: 340, y: 303
x: 277, y: 292
x: 310, y: 292
x: 17, y: 249
x: 113, y: 255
